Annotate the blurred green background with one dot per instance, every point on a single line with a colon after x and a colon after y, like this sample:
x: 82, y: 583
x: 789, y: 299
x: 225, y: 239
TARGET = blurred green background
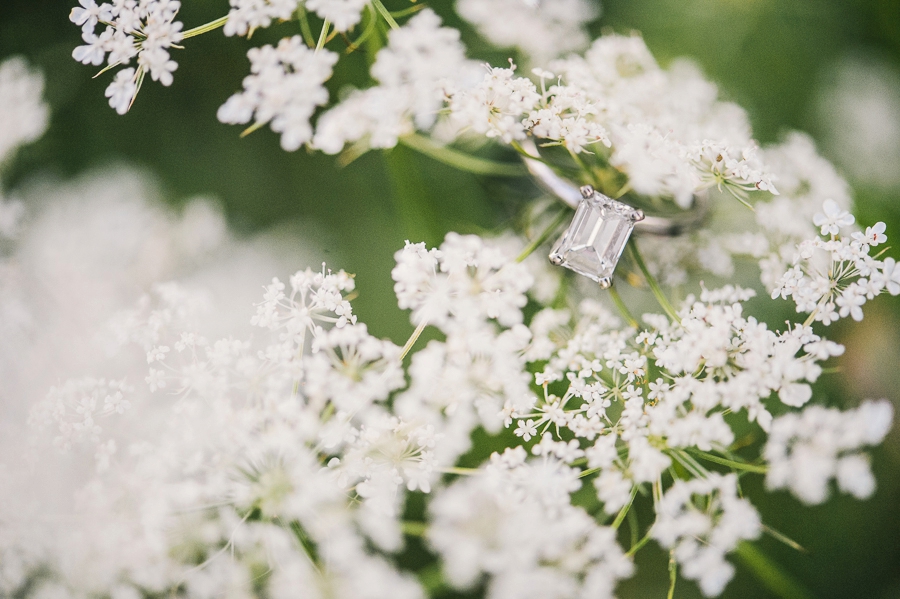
x: 777, y: 58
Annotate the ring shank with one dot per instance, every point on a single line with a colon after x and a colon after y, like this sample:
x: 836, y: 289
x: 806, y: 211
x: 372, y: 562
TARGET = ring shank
x: 569, y: 193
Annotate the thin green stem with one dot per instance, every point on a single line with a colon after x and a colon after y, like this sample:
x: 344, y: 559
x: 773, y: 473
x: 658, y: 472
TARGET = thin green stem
x: 460, y: 160
x: 620, y: 517
x: 413, y: 338
x: 399, y: 14
x: 688, y: 463
x: 305, y: 29
x: 673, y: 574
x: 413, y: 529
x: 633, y: 526
x: 459, y: 470
x: 623, y: 309
x: 811, y: 318
x: 588, y: 472
x: 545, y: 234
x: 651, y: 282
x: 637, y: 546
x: 730, y: 463
x: 783, y: 538
x: 625, y: 189
x: 323, y: 35
x: 211, y: 26
x: 385, y: 13
x: 770, y: 573
x: 371, y: 26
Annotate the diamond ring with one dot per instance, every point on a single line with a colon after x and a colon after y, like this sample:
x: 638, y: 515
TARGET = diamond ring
x: 595, y: 240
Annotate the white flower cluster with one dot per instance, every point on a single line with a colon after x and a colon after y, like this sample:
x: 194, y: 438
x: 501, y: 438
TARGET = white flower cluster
x: 542, y: 29
x: 806, y: 450
x: 700, y: 521
x: 668, y: 134
x: 833, y: 278
x: 143, y: 30
x: 420, y: 63
x: 513, y: 522
x: 474, y: 293
x: 23, y: 114
x: 75, y: 407
x: 286, y: 84
x: 246, y: 16
x: 294, y: 454
x: 23, y: 119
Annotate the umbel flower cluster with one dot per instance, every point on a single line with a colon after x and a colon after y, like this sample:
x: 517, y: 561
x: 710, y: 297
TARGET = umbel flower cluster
x: 286, y: 448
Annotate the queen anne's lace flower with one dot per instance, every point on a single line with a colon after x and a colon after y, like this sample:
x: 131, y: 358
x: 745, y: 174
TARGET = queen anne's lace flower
x: 806, y: 451
x: 420, y: 62
x: 143, y: 31
x: 700, y: 521
x: 542, y: 29
x: 284, y: 89
x: 492, y: 524
x: 833, y: 278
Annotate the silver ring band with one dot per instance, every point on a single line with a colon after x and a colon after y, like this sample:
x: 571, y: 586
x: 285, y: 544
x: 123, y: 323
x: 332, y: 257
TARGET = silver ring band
x: 571, y: 195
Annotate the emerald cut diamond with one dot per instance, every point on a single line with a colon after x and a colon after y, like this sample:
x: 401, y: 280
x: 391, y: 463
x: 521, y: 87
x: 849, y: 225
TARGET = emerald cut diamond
x: 593, y: 243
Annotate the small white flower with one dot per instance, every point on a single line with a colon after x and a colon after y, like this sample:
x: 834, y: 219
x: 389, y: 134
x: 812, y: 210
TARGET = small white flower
x: 121, y: 91
x: 832, y: 218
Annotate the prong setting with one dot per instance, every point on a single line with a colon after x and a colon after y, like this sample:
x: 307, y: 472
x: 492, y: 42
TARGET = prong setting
x: 586, y: 191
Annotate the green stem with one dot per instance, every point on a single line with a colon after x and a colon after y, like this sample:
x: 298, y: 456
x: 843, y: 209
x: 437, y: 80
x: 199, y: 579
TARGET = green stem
x: 637, y: 546
x: 651, y: 282
x: 413, y: 338
x: 688, y: 463
x: 783, y: 538
x: 385, y: 13
x: 459, y: 470
x: 211, y: 26
x: 399, y: 14
x: 624, y: 511
x: 460, y: 160
x: 673, y: 574
x: 770, y: 574
x: 371, y: 26
x: 617, y: 300
x: 545, y: 234
x: 588, y: 472
x: 305, y: 29
x: 413, y: 529
x: 323, y: 35
x: 730, y: 463
x: 633, y: 526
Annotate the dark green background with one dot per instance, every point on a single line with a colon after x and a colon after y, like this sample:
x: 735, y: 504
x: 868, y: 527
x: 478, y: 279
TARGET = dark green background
x: 768, y: 55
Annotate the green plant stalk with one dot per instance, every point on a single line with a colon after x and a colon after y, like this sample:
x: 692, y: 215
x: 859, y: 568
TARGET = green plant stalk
x: 637, y: 546
x: 413, y: 529
x: 730, y: 463
x: 305, y: 29
x: 413, y: 338
x: 623, y: 309
x: 323, y: 35
x: 620, y: 517
x: 385, y: 13
x: 545, y: 234
x: 460, y: 160
x: 651, y: 282
x: 770, y: 574
x: 211, y: 26
x: 673, y: 574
